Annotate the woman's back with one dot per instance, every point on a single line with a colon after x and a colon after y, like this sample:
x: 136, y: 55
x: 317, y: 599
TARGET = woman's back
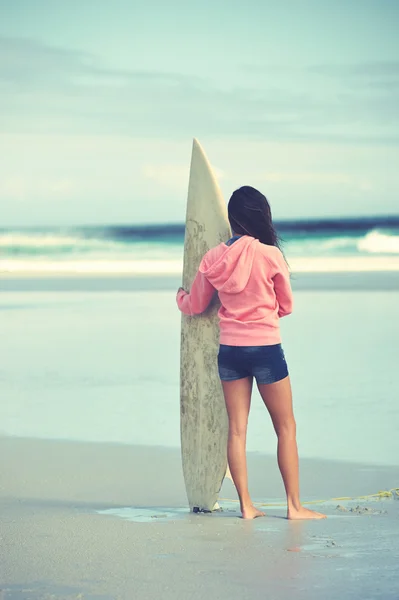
x: 252, y: 280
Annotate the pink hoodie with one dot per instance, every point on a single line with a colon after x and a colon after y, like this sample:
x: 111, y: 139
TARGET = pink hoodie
x: 254, y: 289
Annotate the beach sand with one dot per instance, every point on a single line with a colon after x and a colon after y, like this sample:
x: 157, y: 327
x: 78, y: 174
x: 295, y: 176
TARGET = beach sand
x: 57, y: 543
x: 342, y: 281
x: 104, y: 515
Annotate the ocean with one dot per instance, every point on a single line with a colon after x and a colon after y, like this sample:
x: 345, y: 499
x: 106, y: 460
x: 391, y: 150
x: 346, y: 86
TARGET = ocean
x: 321, y: 246
x: 102, y: 364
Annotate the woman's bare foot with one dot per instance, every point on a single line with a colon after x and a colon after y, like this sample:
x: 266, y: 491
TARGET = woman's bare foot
x: 304, y: 513
x: 250, y: 512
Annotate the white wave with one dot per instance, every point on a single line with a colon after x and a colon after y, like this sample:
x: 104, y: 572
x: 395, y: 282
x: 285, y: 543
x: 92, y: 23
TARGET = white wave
x: 338, y: 242
x: 95, y: 267
x: 25, y: 242
x: 334, y: 264
x: 327, y: 264
x: 35, y: 241
x: 321, y: 247
x: 376, y: 242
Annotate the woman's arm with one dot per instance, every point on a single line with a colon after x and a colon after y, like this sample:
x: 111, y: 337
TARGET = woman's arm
x: 198, y: 300
x: 282, y: 288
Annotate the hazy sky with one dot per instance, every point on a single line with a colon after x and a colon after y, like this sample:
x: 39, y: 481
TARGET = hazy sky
x: 100, y: 100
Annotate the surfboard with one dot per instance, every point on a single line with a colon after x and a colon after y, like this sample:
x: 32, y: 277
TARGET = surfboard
x: 203, y: 416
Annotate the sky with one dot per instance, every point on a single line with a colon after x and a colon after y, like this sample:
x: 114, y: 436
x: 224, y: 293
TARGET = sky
x: 100, y: 101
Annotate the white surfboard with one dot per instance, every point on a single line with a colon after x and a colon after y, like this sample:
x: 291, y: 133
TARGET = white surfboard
x: 204, y: 426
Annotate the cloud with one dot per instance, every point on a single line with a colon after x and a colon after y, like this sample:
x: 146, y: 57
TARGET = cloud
x: 318, y: 179
x: 46, y: 90
x: 380, y: 76
x: 26, y: 61
x: 130, y: 180
x: 303, y: 177
x: 20, y: 187
x: 173, y: 176
x: 13, y: 188
x: 168, y: 174
x: 366, y: 69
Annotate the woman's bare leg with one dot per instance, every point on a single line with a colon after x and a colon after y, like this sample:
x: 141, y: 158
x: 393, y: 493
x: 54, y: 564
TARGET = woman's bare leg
x: 278, y: 401
x: 237, y: 395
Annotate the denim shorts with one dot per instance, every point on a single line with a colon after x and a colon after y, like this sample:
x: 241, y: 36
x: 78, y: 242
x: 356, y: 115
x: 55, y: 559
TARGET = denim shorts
x: 266, y: 363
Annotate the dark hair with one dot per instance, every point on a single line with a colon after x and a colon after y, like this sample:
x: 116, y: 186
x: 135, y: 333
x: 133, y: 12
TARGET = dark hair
x: 250, y: 214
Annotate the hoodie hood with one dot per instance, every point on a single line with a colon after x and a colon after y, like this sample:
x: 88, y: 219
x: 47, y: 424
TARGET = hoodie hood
x: 230, y: 272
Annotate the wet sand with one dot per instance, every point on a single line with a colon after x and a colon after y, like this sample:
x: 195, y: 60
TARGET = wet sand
x: 353, y: 281
x: 59, y: 540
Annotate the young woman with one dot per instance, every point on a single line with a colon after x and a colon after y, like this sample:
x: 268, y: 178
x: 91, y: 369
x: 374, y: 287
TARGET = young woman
x: 251, y: 276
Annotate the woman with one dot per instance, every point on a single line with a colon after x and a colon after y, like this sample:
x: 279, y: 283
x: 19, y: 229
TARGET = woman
x: 251, y: 276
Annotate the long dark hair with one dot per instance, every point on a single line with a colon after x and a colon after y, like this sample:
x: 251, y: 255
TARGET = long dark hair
x: 250, y: 214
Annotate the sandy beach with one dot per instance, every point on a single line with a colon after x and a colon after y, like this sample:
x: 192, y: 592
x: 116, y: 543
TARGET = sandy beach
x: 58, y: 543
x: 342, y: 281
x: 92, y: 498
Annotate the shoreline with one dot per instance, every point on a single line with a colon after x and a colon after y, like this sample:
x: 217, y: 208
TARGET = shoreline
x: 67, y: 531
x: 321, y: 478
x: 61, y: 282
